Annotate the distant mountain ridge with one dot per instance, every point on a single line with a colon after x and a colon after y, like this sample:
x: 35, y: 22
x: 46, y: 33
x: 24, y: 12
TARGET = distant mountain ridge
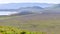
x: 28, y: 10
x: 25, y: 8
x: 55, y: 6
x: 19, y: 5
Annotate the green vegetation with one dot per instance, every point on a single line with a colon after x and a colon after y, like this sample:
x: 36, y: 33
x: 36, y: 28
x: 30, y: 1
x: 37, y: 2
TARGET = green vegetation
x: 40, y: 23
x: 13, y: 30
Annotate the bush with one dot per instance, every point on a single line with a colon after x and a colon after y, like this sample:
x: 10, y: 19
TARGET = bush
x: 13, y: 30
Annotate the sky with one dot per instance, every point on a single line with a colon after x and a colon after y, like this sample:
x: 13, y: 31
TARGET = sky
x: 29, y: 1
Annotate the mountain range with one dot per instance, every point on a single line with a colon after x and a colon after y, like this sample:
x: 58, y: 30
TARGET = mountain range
x: 30, y: 8
x: 19, y: 5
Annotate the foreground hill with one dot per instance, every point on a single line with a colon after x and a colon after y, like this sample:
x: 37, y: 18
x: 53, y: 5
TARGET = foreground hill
x: 14, y: 30
x: 34, y: 22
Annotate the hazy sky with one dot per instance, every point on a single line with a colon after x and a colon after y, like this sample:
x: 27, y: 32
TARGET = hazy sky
x: 29, y: 1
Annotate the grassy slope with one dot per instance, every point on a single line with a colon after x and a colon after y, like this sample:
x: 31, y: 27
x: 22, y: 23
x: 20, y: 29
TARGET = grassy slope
x: 47, y: 23
x: 14, y: 30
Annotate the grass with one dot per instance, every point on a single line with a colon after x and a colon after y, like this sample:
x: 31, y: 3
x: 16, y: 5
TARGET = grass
x: 13, y: 30
x: 42, y: 23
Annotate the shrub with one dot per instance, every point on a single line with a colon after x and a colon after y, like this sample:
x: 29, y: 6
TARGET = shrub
x: 13, y: 30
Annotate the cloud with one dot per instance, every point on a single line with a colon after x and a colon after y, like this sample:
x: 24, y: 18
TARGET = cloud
x: 29, y: 1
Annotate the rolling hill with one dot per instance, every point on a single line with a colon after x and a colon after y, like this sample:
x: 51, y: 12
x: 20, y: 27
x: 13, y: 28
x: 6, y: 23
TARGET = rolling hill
x: 34, y: 22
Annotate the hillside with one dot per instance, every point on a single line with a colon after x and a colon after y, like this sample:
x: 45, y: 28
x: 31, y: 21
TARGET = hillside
x: 34, y: 22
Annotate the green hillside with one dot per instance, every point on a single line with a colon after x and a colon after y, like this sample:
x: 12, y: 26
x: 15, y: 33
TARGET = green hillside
x: 39, y: 23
